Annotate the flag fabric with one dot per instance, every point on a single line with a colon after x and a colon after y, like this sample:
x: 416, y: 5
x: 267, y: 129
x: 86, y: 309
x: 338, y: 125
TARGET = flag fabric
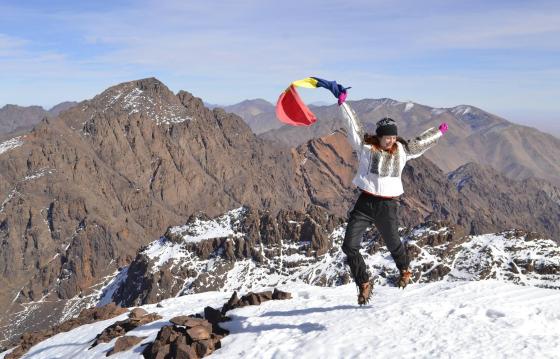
x: 291, y: 110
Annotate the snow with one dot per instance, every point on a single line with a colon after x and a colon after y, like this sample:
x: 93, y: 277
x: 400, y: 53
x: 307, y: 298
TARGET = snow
x: 296, y: 257
x: 38, y: 174
x: 135, y: 101
x: 435, y: 320
x: 461, y: 110
x: 107, y: 292
x: 422, y: 231
x: 492, y: 256
x: 409, y: 106
x: 207, y: 229
x: 8, y: 199
x: 438, y: 111
x: 10, y: 144
x: 476, y: 308
x: 164, y: 250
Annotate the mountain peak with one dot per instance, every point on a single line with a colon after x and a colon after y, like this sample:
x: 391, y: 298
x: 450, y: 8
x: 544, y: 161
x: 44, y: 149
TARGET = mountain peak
x: 147, y: 98
x: 150, y: 85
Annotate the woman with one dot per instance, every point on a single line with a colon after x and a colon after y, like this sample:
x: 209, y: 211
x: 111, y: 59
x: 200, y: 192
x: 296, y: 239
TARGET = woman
x: 381, y: 159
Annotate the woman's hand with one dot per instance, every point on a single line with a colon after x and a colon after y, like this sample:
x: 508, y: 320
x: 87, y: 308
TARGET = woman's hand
x: 342, y: 98
x: 443, y: 128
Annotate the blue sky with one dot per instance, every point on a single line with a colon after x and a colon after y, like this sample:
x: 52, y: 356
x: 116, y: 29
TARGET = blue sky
x: 502, y: 56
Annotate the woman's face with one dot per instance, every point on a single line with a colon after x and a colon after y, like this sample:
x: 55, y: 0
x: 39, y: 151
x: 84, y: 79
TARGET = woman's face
x: 386, y: 142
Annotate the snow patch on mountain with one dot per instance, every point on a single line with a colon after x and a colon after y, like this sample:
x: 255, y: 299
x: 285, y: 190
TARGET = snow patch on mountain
x: 506, y: 257
x: 163, y: 251
x: 426, y: 230
x: 10, y: 144
x: 461, y: 110
x: 39, y: 174
x: 10, y: 196
x: 409, y: 106
x: 132, y: 100
x: 118, y: 278
x: 206, y: 229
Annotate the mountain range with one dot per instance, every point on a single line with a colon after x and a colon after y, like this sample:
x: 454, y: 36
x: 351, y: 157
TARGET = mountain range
x: 84, y: 191
x: 17, y: 119
x: 259, y: 114
x: 475, y: 135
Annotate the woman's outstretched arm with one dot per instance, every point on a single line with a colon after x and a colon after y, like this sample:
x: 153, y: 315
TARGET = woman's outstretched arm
x: 353, y: 127
x: 421, y: 143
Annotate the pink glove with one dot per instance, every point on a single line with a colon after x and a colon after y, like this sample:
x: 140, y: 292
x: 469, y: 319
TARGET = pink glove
x: 341, y: 98
x: 443, y: 128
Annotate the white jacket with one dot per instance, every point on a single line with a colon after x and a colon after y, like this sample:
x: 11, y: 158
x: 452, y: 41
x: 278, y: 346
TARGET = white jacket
x: 379, y: 172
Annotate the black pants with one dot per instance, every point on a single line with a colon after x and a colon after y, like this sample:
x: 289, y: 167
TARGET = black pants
x: 383, y: 213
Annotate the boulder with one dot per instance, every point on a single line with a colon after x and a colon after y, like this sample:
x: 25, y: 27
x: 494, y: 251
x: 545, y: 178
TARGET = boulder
x: 125, y: 343
x: 198, y: 333
x: 137, y: 313
x: 278, y: 294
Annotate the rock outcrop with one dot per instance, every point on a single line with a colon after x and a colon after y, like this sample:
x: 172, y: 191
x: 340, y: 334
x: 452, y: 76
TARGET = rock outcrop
x: 225, y: 254
x: 192, y: 337
x: 86, y: 316
x: 120, y: 328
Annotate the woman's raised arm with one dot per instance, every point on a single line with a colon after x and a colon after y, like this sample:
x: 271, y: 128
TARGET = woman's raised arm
x: 353, y: 127
x: 421, y: 143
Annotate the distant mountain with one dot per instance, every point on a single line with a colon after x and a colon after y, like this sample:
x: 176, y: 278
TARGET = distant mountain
x: 63, y: 106
x: 259, y: 114
x: 17, y: 119
x: 475, y: 136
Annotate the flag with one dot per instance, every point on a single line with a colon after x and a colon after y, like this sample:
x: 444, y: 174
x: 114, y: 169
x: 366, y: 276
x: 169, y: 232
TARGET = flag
x: 291, y: 110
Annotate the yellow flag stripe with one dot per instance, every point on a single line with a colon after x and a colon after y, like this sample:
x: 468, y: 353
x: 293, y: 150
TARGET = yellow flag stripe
x: 307, y: 82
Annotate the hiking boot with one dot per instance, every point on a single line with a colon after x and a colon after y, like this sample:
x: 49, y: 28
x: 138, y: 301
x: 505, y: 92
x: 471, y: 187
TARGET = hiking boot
x: 406, y: 276
x: 364, y: 294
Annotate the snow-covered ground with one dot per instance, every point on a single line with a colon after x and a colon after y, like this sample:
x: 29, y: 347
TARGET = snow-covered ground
x: 10, y: 144
x: 444, y: 319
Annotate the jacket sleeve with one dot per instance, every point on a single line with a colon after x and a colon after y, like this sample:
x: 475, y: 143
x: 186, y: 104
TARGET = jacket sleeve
x: 353, y: 127
x: 421, y: 143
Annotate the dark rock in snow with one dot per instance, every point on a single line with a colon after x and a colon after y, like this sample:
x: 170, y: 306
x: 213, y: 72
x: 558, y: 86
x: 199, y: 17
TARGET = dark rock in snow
x: 124, y: 343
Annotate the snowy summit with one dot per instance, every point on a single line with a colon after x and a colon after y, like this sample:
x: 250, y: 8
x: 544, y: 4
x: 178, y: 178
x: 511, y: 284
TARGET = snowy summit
x: 438, y: 320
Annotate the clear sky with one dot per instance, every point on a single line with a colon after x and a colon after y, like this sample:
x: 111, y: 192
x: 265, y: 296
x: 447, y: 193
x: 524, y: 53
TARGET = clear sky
x: 501, y: 56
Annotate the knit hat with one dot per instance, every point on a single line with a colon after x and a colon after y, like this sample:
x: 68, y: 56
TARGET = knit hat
x: 386, y: 127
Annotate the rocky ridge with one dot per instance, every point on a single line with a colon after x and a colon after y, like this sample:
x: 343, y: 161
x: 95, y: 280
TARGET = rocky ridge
x: 223, y: 254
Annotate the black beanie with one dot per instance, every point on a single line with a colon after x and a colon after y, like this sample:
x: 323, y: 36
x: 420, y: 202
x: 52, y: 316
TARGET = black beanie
x: 386, y: 127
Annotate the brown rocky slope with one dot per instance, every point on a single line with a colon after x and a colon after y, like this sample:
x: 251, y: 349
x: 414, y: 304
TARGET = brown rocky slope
x: 85, y: 190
